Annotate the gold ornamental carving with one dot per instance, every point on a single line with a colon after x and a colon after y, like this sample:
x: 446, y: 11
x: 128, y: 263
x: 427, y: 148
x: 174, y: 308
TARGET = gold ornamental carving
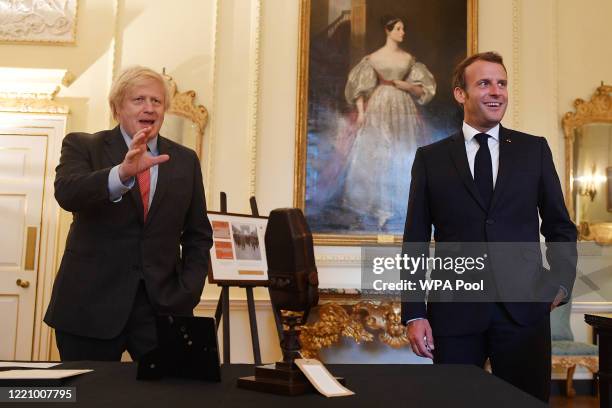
x: 183, y: 104
x: 569, y: 364
x: 334, y: 322
x: 360, y: 322
x: 596, y: 110
x: 589, y: 362
x: 385, y: 317
x: 32, y: 105
x: 600, y: 232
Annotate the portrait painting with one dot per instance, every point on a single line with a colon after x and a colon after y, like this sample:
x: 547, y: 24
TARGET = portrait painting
x: 374, y: 85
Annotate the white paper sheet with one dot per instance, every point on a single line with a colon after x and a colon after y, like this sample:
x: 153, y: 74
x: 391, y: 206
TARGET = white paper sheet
x: 322, y: 379
x: 22, y: 364
x: 39, y: 374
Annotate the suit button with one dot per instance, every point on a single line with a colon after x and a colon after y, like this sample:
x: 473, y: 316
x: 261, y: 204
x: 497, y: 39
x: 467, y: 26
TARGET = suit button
x: 490, y: 222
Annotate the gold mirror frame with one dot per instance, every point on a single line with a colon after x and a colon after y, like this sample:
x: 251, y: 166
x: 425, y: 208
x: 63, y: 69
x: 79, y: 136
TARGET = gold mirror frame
x: 183, y: 104
x: 597, y: 110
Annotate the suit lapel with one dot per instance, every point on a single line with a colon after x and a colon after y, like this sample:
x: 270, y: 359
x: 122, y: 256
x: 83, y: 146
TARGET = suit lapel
x: 116, y: 150
x: 164, y: 171
x: 115, y: 146
x: 459, y: 157
x: 507, y: 155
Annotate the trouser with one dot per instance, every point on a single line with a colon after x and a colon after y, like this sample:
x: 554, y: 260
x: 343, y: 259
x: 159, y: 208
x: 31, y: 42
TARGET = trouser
x: 520, y: 355
x: 137, y: 337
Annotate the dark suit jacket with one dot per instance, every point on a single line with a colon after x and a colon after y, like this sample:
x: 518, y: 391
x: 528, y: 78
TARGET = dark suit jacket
x: 110, y: 248
x: 443, y: 194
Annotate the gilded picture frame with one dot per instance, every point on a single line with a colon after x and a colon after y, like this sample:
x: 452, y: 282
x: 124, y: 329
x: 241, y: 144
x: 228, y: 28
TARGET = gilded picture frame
x: 338, y: 39
x: 609, y: 188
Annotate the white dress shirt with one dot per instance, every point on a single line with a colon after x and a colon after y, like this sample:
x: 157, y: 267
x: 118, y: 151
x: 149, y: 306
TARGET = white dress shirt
x: 472, y: 146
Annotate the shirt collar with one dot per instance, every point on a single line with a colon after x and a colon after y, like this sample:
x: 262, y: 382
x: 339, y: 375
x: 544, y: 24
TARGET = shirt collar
x: 469, y: 132
x: 151, y: 144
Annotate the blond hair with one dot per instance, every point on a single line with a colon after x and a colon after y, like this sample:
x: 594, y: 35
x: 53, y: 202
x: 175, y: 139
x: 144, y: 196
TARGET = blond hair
x: 129, y: 78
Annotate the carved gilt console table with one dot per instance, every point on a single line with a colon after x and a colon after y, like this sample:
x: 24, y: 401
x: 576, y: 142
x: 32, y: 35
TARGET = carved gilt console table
x: 354, y: 318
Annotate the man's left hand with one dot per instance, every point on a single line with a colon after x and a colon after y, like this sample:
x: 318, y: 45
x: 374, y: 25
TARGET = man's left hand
x: 558, y: 299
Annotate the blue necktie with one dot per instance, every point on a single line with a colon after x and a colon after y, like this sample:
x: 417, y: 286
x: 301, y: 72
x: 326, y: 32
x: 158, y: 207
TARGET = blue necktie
x: 483, y: 169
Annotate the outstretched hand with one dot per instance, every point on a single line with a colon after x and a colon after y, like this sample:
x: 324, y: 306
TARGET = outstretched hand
x: 137, y: 159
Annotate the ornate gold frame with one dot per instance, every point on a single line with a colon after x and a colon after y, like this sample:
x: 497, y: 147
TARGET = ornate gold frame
x: 597, y: 109
x: 183, y: 104
x: 299, y: 178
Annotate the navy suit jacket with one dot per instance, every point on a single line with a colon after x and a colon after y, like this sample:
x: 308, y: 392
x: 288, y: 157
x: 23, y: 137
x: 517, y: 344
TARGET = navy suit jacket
x: 443, y: 195
x: 110, y: 248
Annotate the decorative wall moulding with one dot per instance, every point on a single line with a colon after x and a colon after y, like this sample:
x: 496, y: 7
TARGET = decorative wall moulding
x: 353, y: 261
x: 38, y: 22
x: 32, y: 90
x: 32, y: 105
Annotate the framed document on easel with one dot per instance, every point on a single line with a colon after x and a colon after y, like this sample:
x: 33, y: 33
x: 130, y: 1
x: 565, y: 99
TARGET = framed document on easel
x: 238, y: 255
x: 238, y: 258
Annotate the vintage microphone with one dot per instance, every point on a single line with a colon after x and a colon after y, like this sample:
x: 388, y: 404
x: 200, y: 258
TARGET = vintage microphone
x: 294, y: 285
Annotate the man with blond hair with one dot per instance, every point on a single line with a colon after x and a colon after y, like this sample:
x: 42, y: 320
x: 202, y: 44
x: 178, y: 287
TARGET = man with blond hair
x: 139, y: 242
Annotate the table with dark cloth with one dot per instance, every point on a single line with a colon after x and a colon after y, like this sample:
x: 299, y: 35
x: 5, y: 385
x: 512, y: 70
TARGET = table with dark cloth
x: 378, y: 386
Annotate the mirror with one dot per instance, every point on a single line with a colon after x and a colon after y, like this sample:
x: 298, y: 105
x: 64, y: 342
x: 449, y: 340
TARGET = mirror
x: 184, y: 122
x: 588, y: 165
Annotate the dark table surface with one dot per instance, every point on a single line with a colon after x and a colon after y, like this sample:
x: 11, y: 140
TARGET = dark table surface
x: 599, y: 320
x: 377, y: 386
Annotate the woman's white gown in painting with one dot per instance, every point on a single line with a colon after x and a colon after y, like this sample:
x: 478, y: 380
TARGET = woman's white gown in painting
x: 381, y: 157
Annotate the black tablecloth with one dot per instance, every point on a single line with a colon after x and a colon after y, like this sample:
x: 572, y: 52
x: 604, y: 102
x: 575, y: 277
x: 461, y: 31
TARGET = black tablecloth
x: 114, y: 385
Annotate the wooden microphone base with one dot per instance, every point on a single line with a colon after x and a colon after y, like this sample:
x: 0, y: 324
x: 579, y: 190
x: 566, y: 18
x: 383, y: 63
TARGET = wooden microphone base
x: 279, y: 378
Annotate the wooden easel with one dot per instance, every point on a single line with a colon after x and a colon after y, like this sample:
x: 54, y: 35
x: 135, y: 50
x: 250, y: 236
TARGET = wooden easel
x: 223, y: 305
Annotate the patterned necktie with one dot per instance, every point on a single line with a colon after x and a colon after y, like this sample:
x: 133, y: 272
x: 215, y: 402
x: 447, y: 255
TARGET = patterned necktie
x: 483, y: 169
x: 144, y: 184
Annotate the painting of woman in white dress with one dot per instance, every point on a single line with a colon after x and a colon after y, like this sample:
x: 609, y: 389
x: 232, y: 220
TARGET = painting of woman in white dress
x: 385, y: 88
x: 375, y: 87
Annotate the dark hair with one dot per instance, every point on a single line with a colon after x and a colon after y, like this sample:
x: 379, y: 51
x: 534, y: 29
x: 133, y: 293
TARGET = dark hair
x: 459, y: 73
x: 388, y: 21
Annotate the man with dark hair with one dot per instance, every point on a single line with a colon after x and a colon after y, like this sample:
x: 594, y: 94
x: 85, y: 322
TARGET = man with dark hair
x: 487, y: 185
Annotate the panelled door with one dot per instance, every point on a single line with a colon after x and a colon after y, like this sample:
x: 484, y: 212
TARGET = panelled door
x: 22, y: 172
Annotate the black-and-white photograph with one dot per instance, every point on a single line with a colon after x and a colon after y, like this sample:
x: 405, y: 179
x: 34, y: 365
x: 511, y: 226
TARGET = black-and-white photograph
x: 246, y: 242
